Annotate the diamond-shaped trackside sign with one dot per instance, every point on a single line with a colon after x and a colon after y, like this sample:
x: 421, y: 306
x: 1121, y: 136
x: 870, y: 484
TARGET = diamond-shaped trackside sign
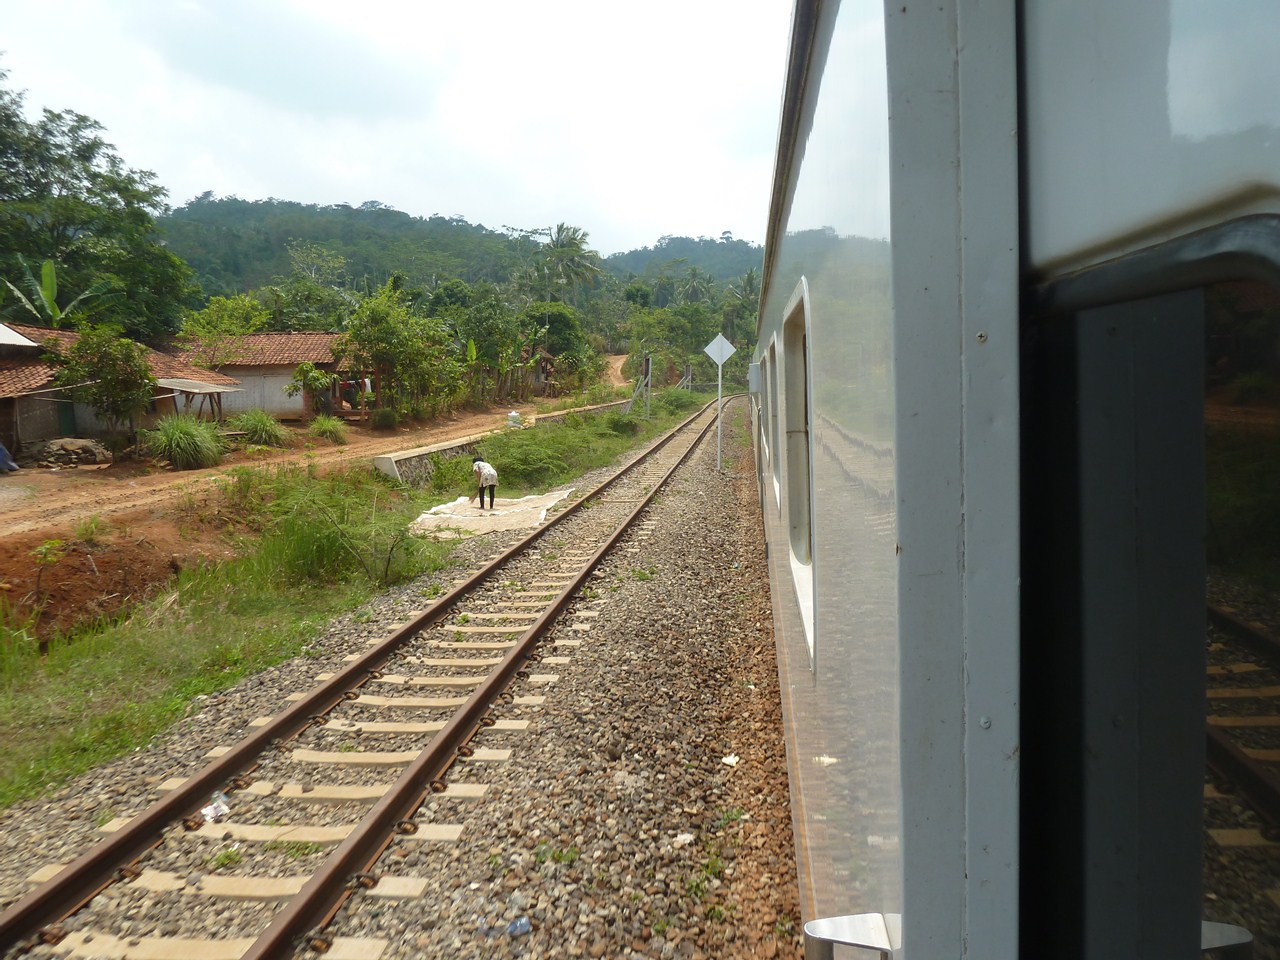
x: 719, y: 349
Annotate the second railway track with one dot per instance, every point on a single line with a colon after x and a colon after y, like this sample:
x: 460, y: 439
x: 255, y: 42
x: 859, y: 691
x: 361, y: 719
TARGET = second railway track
x: 341, y: 771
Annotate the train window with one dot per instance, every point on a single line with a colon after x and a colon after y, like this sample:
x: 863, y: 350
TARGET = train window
x: 795, y: 356
x: 774, y: 450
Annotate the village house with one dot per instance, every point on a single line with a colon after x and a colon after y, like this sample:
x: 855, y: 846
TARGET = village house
x: 33, y: 409
x: 263, y: 365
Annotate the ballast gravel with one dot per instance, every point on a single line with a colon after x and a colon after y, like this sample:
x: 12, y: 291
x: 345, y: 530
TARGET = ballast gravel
x: 643, y: 813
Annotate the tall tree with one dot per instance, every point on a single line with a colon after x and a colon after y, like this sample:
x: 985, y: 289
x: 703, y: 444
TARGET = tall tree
x: 741, y: 301
x: 66, y: 196
x: 109, y: 373
x: 216, y: 335
x: 566, y: 264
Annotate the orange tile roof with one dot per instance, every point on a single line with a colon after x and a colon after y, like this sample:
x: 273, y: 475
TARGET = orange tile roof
x: 24, y: 374
x: 282, y: 349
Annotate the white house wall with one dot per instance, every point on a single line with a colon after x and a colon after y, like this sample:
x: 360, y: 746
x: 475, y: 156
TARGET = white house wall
x: 262, y: 389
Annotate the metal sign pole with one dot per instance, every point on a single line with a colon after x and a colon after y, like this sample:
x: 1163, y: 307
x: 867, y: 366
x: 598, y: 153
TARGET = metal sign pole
x: 719, y: 409
x: 719, y: 350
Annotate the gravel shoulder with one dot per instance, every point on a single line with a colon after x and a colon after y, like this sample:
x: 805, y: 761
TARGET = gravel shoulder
x: 645, y: 812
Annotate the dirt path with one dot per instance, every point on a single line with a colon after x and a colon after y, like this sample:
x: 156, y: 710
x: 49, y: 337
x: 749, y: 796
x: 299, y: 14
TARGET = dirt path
x: 615, y: 370
x: 58, y: 499
x: 113, y: 534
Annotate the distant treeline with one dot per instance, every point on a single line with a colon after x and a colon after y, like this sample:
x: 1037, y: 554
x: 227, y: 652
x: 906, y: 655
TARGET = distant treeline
x: 235, y: 245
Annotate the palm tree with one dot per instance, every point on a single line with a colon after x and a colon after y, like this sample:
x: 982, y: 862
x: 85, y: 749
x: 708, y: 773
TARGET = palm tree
x: 696, y: 286
x: 566, y: 261
x: 741, y: 301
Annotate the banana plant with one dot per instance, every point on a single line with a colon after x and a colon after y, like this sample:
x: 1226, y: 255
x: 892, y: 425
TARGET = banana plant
x: 43, y: 303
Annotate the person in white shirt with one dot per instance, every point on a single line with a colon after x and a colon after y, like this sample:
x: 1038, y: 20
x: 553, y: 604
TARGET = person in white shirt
x: 486, y: 479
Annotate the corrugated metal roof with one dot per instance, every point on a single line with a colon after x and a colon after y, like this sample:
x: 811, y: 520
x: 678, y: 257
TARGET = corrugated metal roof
x: 194, y: 386
x: 13, y: 338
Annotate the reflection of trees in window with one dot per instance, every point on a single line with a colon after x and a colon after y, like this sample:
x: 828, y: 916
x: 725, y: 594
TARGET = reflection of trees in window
x: 1243, y: 342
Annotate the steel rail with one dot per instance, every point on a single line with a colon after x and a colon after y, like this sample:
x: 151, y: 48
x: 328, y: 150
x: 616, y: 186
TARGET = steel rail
x: 1254, y: 779
x: 1259, y: 785
x: 96, y: 869
x: 1259, y: 642
x: 323, y: 895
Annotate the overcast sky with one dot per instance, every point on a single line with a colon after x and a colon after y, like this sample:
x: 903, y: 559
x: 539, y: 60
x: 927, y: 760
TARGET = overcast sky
x: 630, y: 120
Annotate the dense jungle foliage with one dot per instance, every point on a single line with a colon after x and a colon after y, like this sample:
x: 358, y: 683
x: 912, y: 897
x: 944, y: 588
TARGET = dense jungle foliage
x: 439, y: 311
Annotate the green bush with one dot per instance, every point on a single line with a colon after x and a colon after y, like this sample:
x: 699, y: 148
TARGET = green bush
x: 451, y: 474
x: 673, y: 400
x: 328, y: 428
x: 185, y: 442
x: 259, y: 427
x: 384, y: 418
x: 623, y: 424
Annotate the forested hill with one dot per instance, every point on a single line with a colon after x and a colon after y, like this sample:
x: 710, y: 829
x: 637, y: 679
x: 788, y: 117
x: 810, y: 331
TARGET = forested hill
x: 235, y: 245
x: 724, y: 259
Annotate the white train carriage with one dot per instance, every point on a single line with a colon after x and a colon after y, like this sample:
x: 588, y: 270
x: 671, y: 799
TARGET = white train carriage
x: 977, y: 390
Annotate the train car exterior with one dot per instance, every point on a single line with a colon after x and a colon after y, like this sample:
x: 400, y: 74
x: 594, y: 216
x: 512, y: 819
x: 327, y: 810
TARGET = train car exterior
x: 977, y: 402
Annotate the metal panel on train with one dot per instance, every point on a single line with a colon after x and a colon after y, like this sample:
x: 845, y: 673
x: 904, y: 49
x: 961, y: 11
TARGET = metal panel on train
x: 1162, y: 118
x: 887, y: 439
x: 830, y: 344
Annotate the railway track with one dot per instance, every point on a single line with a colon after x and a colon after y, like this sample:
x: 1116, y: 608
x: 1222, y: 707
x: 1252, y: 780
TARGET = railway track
x: 1242, y: 789
x: 1243, y: 729
x: 340, y: 773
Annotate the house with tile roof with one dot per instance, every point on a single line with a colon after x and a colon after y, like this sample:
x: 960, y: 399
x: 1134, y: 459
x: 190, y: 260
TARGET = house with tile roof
x: 33, y: 409
x: 264, y: 365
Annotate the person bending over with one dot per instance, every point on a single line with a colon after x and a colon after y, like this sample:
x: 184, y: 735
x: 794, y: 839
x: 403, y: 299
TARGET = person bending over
x: 486, y: 479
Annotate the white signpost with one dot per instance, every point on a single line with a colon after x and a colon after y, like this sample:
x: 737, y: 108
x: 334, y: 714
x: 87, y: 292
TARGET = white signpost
x: 719, y: 350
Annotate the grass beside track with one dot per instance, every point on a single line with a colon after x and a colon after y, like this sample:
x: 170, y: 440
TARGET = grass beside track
x: 311, y: 547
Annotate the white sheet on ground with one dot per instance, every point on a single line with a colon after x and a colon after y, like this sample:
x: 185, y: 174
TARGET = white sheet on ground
x: 464, y: 518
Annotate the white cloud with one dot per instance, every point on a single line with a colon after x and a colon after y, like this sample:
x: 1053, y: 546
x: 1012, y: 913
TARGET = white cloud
x: 630, y: 121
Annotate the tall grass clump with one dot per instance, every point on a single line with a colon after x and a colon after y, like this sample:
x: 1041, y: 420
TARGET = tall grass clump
x: 259, y: 427
x: 185, y: 442
x: 19, y: 645
x: 339, y: 526
x: 328, y: 427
